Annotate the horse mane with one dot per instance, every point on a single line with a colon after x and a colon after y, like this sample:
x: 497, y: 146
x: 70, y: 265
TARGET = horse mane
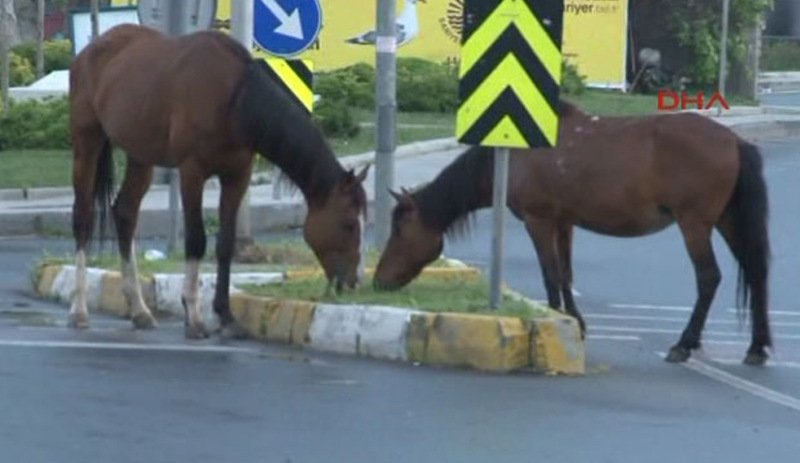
x: 277, y: 128
x: 446, y: 204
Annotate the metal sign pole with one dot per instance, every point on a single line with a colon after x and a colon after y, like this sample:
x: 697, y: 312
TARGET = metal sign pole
x: 175, y: 13
x: 242, y: 30
x: 500, y: 187
x: 723, y: 50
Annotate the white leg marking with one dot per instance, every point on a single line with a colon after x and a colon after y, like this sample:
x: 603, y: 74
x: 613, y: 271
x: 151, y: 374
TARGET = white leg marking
x: 191, y: 293
x: 741, y: 383
x: 131, y: 287
x: 78, y: 312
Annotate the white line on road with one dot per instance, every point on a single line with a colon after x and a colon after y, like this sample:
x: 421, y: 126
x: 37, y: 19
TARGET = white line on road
x: 636, y: 329
x: 675, y: 320
x: 740, y: 383
x: 120, y: 346
x: 680, y: 308
x: 613, y: 337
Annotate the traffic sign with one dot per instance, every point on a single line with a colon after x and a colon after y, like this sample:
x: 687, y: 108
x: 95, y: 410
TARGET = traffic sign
x: 295, y: 77
x: 286, y: 27
x: 510, y: 73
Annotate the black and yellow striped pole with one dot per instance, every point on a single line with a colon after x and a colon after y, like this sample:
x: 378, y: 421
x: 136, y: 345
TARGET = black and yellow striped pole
x: 509, y: 80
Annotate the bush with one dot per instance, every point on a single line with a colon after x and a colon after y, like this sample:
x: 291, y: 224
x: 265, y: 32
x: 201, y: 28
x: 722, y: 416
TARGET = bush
x: 21, y: 71
x: 34, y: 124
x: 780, y: 55
x: 572, y: 82
x: 353, y: 85
x: 425, y: 86
x: 335, y: 119
x: 57, y: 54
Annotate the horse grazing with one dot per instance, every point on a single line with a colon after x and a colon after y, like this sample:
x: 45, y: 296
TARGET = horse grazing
x: 199, y: 103
x: 619, y: 176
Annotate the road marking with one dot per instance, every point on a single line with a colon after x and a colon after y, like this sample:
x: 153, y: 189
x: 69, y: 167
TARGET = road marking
x: 613, y: 337
x: 676, y: 320
x: 740, y: 383
x: 636, y: 329
x: 680, y: 308
x: 121, y: 346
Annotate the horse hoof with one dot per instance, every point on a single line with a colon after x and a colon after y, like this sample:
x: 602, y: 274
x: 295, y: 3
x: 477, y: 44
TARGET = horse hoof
x: 678, y: 354
x: 755, y: 359
x: 196, y: 331
x: 143, y: 321
x: 232, y: 331
x: 78, y: 321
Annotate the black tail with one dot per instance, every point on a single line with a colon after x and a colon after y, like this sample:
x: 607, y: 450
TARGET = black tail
x: 750, y: 213
x: 104, y: 188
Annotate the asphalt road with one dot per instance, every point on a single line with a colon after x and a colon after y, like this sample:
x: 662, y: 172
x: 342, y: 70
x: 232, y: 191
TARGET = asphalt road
x: 111, y: 394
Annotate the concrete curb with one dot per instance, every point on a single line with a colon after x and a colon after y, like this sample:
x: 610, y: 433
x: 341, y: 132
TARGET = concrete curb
x: 550, y: 344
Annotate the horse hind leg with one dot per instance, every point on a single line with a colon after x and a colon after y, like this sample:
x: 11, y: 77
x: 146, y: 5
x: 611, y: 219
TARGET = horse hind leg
x: 91, y: 159
x: 697, y: 237
x: 192, y: 182
x: 543, y: 235
x: 126, y: 211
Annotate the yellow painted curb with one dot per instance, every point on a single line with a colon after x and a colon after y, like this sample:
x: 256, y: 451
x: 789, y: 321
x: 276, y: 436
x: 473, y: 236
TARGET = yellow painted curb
x: 417, y: 337
x: 556, y: 345
x: 273, y: 320
x: 45, y: 284
x: 483, y: 342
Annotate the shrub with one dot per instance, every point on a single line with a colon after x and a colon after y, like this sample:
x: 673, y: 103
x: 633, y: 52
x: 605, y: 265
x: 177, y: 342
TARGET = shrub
x: 425, y: 86
x: 57, y: 54
x: 21, y: 71
x: 335, y: 119
x: 34, y: 124
x: 353, y: 85
x: 780, y: 55
x: 572, y: 82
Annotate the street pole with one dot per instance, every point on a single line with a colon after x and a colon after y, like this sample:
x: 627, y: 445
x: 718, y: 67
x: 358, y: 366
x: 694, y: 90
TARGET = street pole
x: 175, y: 15
x: 95, y: 11
x: 386, y: 107
x: 500, y: 189
x: 7, y: 21
x: 40, y: 41
x: 242, y: 31
x: 723, y: 49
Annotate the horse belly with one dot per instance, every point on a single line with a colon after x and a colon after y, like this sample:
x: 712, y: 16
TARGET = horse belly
x: 628, y: 223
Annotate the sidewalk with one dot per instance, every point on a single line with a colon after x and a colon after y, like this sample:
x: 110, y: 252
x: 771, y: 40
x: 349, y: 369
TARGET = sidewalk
x: 49, y: 210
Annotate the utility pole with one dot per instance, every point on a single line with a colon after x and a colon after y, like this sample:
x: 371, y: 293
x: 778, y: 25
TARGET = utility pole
x: 7, y: 22
x: 95, y: 7
x: 40, y: 41
x: 386, y: 108
x: 175, y: 15
x: 723, y: 48
x: 242, y: 31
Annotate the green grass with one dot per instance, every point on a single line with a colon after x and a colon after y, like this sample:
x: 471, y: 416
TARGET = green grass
x: 275, y: 256
x: 48, y: 168
x: 429, y: 293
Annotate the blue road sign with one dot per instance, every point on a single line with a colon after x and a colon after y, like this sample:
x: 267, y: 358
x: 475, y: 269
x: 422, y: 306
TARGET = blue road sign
x: 286, y: 27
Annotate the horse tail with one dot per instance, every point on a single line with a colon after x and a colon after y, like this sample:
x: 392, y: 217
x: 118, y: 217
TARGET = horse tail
x: 104, y: 187
x: 750, y: 213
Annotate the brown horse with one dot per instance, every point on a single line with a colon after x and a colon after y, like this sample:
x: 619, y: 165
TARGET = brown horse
x: 624, y: 177
x: 199, y: 103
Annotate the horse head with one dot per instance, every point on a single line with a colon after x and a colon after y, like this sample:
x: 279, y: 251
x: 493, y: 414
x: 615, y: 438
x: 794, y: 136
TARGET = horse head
x: 412, y: 245
x: 333, y: 230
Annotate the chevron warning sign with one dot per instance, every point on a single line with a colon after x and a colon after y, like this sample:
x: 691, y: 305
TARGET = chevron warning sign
x: 295, y: 76
x: 510, y: 73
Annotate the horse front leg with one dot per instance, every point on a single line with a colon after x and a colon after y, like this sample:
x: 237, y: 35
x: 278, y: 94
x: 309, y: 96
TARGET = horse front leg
x: 233, y: 188
x: 543, y: 235
x: 564, y: 248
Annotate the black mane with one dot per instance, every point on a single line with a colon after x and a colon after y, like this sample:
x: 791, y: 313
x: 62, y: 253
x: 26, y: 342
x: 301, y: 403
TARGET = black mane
x: 461, y: 188
x: 287, y: 136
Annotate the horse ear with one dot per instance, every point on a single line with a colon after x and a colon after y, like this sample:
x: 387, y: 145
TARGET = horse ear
x: 397, y: 196
x: 363, y: 174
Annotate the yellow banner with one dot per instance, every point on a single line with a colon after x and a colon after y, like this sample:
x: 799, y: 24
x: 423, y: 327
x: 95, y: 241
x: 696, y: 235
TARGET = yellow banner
x: 594, y: 34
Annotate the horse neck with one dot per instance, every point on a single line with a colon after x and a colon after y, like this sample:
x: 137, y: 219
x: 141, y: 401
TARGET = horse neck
x: 302, y: 154
x: 462, y: 187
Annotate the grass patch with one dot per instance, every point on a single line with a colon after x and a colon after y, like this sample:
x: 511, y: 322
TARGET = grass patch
x: 614, y: 103
x: 430, y: 293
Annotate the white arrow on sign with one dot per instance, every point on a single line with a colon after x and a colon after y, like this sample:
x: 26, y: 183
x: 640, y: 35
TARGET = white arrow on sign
x: 290, y: 22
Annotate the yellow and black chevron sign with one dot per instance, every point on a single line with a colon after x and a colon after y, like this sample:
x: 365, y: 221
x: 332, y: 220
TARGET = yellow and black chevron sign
x: 510, y: 73
x: 295, y: 76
